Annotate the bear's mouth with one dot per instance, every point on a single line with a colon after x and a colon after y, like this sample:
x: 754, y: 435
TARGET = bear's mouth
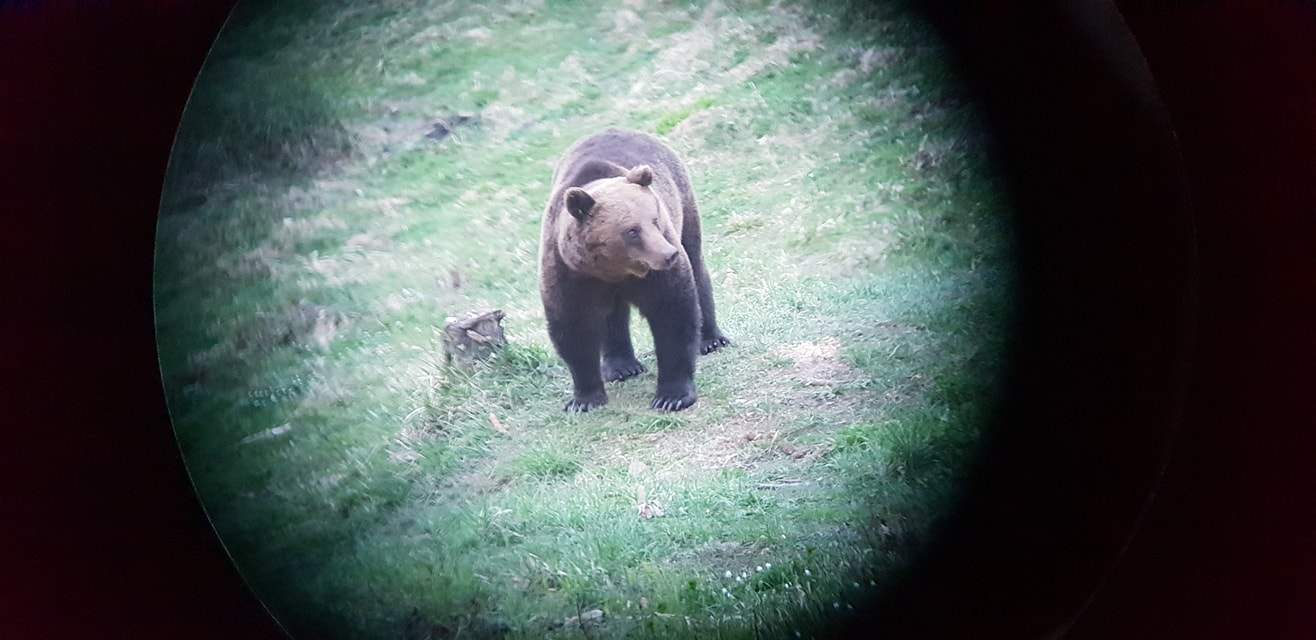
x: 638, y: 269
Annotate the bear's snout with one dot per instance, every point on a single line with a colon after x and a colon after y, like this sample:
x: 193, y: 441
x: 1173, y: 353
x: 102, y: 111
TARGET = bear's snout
x: 655, y: 262
x: 663, y: 260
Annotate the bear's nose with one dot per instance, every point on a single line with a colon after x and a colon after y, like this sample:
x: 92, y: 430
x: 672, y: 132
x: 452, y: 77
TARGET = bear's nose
x: 671, y: 259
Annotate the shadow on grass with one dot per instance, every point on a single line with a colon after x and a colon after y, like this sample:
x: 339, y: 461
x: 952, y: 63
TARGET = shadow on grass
x: 251, y: 113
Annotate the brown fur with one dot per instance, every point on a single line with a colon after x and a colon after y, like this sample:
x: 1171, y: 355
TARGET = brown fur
x: 658, y: 208
x: 621, y: 228
x: 602, y: 249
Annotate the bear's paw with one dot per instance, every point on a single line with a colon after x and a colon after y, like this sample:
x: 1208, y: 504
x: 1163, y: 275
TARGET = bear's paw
x: 587, y: 402
x: 713, y: 343
x: 617, y: 369
x: 674, y: 398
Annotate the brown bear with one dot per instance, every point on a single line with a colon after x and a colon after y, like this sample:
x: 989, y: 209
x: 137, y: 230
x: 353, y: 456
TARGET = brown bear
x: 621, y: 229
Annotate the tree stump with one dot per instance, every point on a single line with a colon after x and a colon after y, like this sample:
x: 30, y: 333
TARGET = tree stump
x: 473, y: 337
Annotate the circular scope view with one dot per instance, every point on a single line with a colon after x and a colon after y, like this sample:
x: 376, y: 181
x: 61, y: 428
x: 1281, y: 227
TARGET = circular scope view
x: 579, y: 319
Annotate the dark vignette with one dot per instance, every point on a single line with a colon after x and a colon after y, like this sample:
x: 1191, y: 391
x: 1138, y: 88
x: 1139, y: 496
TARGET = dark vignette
x: 1101, y: 346
x: 1220, y: 554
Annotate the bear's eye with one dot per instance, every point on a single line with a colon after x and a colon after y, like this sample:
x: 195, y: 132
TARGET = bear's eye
x: 633, y: 233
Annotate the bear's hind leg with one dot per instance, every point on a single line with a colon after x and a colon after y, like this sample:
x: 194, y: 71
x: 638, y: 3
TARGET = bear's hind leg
x: 619, y: 361
x: 710, y: 337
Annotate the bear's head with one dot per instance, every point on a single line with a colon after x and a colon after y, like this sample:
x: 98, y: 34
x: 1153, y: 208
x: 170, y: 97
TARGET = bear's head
x: 618, y: 228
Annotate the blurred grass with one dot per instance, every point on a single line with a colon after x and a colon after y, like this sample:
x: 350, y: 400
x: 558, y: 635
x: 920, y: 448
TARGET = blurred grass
x: 313, y: 237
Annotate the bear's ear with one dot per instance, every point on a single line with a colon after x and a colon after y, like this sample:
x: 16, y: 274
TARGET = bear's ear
x: 579, y: 202
x: 641, y: 175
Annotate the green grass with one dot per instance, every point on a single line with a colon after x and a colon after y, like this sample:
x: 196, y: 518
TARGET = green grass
x: 671, y: 120
x: 313, y: 239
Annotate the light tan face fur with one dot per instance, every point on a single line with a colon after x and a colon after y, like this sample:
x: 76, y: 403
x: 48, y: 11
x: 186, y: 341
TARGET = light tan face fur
x: 627, y: 232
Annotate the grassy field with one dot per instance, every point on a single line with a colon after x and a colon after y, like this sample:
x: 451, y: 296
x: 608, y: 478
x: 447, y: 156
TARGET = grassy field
x: 349, y: 175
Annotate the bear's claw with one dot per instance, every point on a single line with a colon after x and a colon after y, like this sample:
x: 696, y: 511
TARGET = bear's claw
x: 672, y: 402
x: 584, y: 405
x: 714, y: 343
x: 615, y: 372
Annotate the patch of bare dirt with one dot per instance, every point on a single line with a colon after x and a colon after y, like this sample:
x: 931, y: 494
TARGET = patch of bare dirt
x: 817, y: 382
x: 818, y: 363
x: 742, y: 442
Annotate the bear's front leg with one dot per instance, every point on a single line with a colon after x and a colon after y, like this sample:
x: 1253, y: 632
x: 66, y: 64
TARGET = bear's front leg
x: 577, y: 338
x: 619, y: 361
x: 671, y: 306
